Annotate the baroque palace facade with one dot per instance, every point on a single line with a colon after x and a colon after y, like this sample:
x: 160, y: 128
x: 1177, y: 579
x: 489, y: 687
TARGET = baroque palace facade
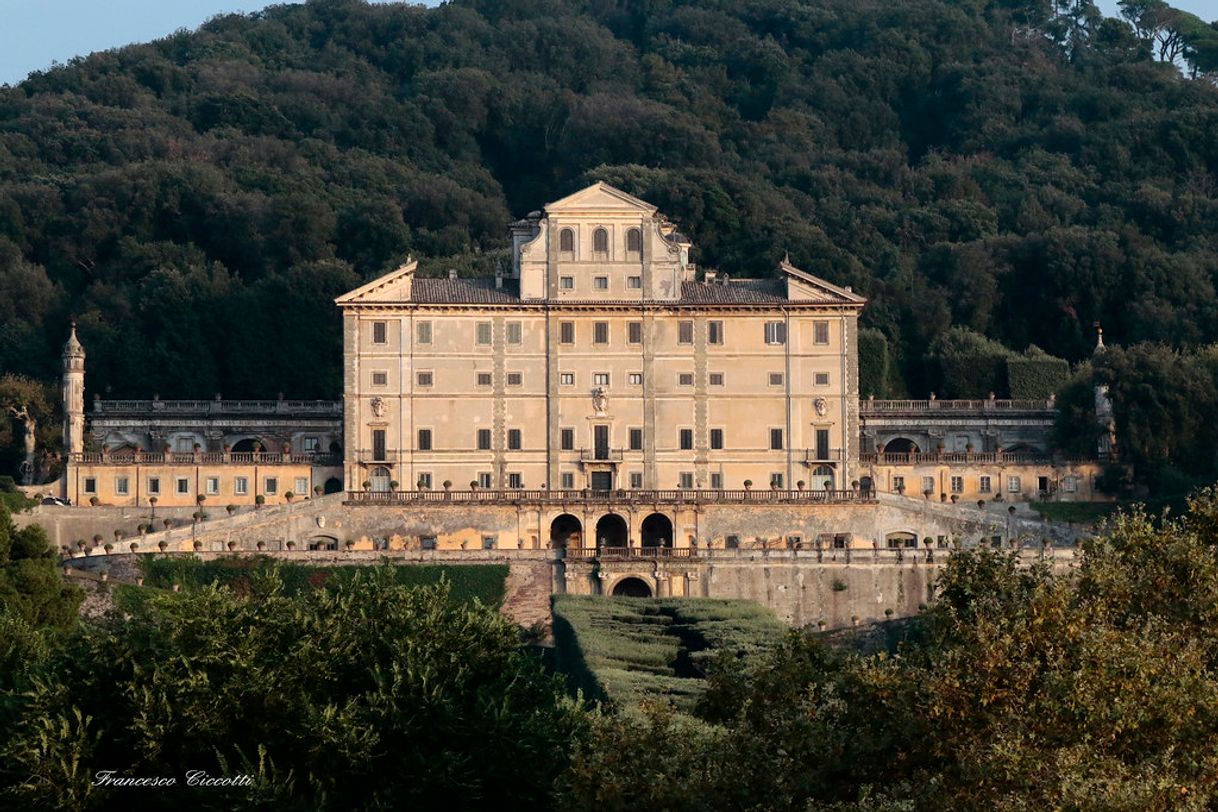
x: 601, y: 362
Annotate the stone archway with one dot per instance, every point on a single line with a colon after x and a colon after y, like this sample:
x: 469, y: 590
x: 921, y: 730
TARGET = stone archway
x: 901, y: 445
x: 566, y: 531
x: 632, y: 587
x: 248, y: 446
x: 657, y: 531
x: 612, y: 531
x: 333, y: 485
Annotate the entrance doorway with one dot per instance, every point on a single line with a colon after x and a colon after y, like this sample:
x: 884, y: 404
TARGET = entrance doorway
x: 602, y: 480
x: 380, y: 479
x: 611, y: 531
x: 631, y: 588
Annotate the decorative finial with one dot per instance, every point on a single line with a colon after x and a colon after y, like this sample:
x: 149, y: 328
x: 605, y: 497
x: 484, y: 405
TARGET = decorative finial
x: 1099, y: 338
x: 786, y: 257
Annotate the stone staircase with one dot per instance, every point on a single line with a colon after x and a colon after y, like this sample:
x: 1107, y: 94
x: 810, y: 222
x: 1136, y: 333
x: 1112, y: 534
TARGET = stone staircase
x: 527, y: 595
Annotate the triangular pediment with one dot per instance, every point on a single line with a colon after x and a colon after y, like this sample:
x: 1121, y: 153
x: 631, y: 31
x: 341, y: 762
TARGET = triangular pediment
x: 804, y: 287
x: 394, y: 286
x: 600, y: 198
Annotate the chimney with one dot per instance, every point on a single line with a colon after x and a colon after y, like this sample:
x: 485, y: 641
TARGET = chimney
x: 452, y: 273
x: 498, y: 280
x: 709, y: 276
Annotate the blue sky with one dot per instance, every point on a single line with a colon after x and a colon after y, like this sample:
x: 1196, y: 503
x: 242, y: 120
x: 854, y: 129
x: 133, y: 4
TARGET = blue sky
x: 35, y: 33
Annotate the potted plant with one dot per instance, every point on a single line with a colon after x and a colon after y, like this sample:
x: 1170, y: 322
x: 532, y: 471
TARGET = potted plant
x: 108, y: 547
x: 93, y: 500
x: 748, y: 484
x: 261, y: 546
x: 118, y: 535
x: 942, y: 497
x: 981, y: 504
x: 317, y: 489
x: 161, y: 545
x: 197, y: 516
x: 134, y: 547
x: 232, y: 545
x: 291, y: 545
x: 198, y: 545
x: 394, y: 484
x: 473, y: 484
x: 955, y: 498
x: 97, y: 539
x: 349, y: 545
x: 367, y: 485
x: 259, y: 501
x: 926, y: 493
x: 289, y: 496
x: 447, y: 485
x: 800, y: 485
x: 231, y: 509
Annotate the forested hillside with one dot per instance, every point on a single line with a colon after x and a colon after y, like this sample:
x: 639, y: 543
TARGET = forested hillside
x: 1019, y: 168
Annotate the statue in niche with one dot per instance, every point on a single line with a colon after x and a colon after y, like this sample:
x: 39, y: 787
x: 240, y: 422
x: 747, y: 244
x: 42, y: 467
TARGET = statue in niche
x: 378, y: 407
x: 600, y: 400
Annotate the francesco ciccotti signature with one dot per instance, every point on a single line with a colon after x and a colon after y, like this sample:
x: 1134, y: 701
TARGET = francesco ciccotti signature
x: 192, y: 778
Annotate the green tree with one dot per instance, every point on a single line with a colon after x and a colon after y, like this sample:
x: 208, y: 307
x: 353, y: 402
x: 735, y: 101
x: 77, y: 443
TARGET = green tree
x: 31, y: 587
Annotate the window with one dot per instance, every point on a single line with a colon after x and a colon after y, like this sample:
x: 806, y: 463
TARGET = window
x: 516, y: 481
x: 488, y: 542
x: 515, y: 378
x: 686, y: 438
x: 566, y: 439
x: 90, y: 484
x: 775, y: 332
x: 484, y: 332
x: 820, y: 332
x: 483, y: 379
x: 636, y: 479
x: 600, y: 378
x: 685, y: 379
x: 635, y: 378
x: 568, y: 481
x: 685, y: 332
x: 241, y: 486
x: 312, y: 444
x: 776, y: 480
x: 957, y: 484
x: 272, y: 485
x: 566, y: 378
x: 636, y: 439
x: 302, y: 486
x: 717, y: 481
x: 122, y: 485
x: 820, y: 379
x: 380, y: 378
x: 566, y: 282
x: 928, y: 484
x: 775, y: 379
x: 775, y: 439
x: 600, y: 241
x: 424, y: 483
x: 634, y: 282
x: 566, y: 241
x: 1013, y: 485
x: 898, y: 483
x: 484, y: 480
x: 514, y: 439
x: 986, y: 485
x: 380, y: 332
x: 423, y: 331
x: 634, y: 240
x: 378, y: 444
x: 714, y: 332
x: 183, y: 485
x: 154, y: 485
x: 601, y: 282
x: 822, y: 444
x: 600, y: 332
x: 634, y: 332
x: 427, y: 542
x: 566, y: 332
x: 213, y: 485
x: 1070, y: 484
x: 686, y: 481
x: 425, y: 378
x: 716, y: 379
x: 514, y: 332
x: 484, y: 439
x: 716, y: 439
x: 424, y: 440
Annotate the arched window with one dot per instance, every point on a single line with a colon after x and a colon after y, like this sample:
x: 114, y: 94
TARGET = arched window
x: 566, y: 241
x: 634, y: 241
x: 600, y: 241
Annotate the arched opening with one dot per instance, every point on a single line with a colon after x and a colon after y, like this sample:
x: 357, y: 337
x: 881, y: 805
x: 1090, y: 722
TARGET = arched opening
x: 611, y: 531
x: 566, y: 531
x: 657, y: 531
x: 822, y: 478
x: 336, y: 447
x: 901, y: 445
x: 248, y: 445
x: 866, y: 484
x: 634, y: 241
x: 631, y: 588
x: 380, y: 479
x: 566, y: 241
x: 1021, y: 448
x: 600, y: 241
x: 902, y: 539
x: 332, y: 485
x: 323, y: 543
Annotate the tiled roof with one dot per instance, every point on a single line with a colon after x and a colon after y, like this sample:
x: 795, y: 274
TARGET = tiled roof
x: 737, y: 291
x: 463, y: 291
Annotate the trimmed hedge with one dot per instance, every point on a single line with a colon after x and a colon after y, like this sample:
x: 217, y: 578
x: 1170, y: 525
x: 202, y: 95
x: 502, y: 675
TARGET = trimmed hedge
x: 970, y: 365
x: 1036, y: 377
x: 485, y: 582
x: 874, y: 363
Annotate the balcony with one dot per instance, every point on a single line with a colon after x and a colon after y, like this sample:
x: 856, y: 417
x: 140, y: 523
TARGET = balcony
x: 830, y: 456
x: 587, y: 455
x: 968, y: 458
x: 203, y: 458
x: 617, y: 496
x: 953, y: 407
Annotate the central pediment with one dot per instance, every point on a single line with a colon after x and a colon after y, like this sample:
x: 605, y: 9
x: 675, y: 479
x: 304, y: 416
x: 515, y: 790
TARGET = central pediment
x: 600, y: 198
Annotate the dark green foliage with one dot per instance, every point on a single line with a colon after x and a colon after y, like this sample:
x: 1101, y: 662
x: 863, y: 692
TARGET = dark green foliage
x: 366, y: 695
x: 1036, y: 375
x: 467, y: 582
x: 31, y: 587
x: 970, y: 365
x: 10, y: 496
x: 873, y: 363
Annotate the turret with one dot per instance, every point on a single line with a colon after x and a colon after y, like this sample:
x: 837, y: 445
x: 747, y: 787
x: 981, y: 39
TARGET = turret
x: 73, y: 394
x: 1107, y: 447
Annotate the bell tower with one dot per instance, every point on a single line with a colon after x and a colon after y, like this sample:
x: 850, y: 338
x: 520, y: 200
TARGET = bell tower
x: 73, y: 394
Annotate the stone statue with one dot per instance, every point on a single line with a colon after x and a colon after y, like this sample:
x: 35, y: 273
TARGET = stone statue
x: 600, y: 400
x: 378, y: 407
x: 821, y: 405
x: 30, y: 424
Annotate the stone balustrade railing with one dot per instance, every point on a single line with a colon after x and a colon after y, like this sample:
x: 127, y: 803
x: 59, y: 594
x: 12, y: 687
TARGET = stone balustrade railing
x: 204, y: 458
x: 881, y: 407
x: 152, y: 408
x: 741, y: 497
